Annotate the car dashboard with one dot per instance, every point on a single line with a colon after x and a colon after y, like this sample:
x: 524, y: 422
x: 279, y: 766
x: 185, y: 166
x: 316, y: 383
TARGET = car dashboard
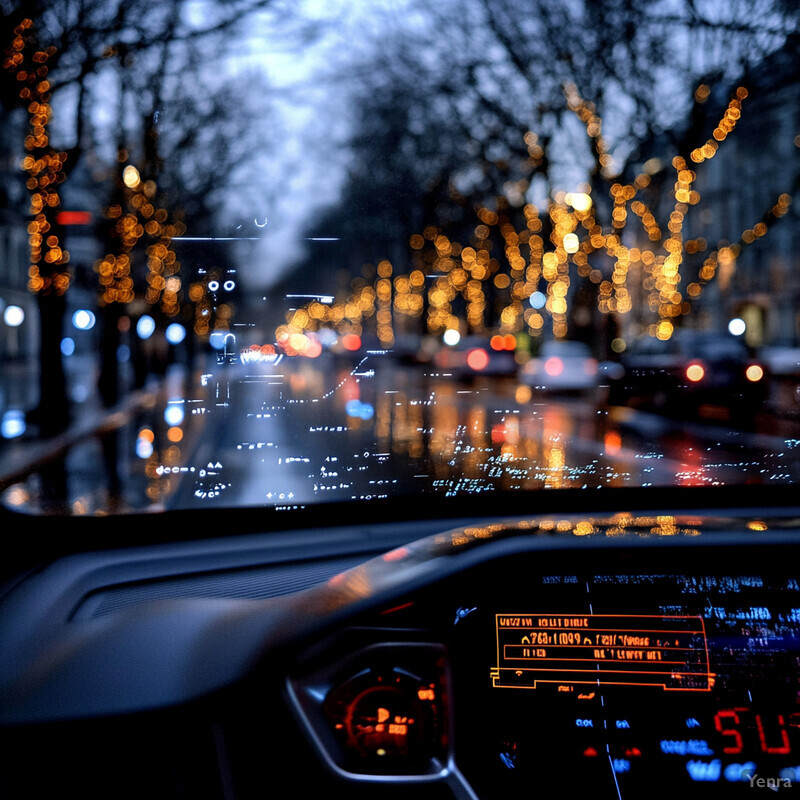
x: 622, y: 654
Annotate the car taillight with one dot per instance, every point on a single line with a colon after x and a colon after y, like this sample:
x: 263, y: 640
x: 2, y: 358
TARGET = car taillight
x: 507, y: 342
x: 754, y: 373
x: 351, y: 342
x: 553, y: 366
x: 695, y: 372
x: 477, y: 359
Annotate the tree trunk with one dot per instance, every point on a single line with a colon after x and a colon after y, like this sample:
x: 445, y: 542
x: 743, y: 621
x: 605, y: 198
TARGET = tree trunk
x: 53, y: 413
x: 108, y: 381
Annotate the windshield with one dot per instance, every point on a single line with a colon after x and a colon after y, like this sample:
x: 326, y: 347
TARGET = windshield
x: 267, y: 253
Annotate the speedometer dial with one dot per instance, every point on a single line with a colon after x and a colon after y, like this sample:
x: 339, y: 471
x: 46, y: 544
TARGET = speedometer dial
x: 380, y: 711
x: 384, y: 718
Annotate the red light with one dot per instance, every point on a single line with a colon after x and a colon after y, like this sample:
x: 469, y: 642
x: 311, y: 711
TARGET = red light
x: 498, y: 433
x: 507, y: 342
x: 554, y: 366
x: 695, y: 372
x: 351, y: 341
x: 754, y: 373
x: 612, y: 442
x: 74, y: 218
x: 477, y: 359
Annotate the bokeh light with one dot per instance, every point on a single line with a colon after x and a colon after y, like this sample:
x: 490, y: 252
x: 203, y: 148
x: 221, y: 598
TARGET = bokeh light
x: 13, y: 424
x: 83, y: 319
x: 145, y: 326
x: 695, y: 372
x: 478, y: 359
x: 451, y: 337
x: 174, y: 413
x: 737, y: 326
x: 130, y: 177
x: 175, y: 333
x: 13, y: 316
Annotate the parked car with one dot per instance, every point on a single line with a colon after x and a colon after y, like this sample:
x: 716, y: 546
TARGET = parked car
x: 562, y: 366
x: 700, y: 371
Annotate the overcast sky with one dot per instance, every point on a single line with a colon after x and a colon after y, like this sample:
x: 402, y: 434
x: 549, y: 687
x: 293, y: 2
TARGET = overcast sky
x: 303, y: 167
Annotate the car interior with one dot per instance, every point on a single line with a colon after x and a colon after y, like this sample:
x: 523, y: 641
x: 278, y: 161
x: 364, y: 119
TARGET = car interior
x: 463, y: 656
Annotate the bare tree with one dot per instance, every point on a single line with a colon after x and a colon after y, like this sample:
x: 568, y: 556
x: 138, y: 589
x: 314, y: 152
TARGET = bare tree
x: 513, y: 101
x: 58, y: 54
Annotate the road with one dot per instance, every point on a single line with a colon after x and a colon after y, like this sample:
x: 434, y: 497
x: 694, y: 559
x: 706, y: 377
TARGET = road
x: 307, y: 431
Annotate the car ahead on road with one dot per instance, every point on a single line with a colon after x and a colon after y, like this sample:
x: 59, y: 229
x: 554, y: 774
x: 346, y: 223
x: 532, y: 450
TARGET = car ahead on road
x: 697, y: 371
x: 475, y: 356
x: 561, y: 366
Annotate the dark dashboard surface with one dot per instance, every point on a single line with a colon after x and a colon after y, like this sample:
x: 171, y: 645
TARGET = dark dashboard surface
x: 542, y: 656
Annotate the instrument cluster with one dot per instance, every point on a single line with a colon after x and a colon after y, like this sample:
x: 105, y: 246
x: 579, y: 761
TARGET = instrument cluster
x: 623, y: 677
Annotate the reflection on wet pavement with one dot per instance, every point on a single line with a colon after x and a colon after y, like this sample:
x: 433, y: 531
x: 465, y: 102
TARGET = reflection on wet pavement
x: 312, y: 431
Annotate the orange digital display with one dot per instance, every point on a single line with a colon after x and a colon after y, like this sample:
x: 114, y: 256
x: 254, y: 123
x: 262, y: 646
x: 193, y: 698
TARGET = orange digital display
x: 670, y: 652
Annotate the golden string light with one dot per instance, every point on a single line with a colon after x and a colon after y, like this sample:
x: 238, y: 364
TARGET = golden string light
x: 728, y: 122
x: 383, y: 295
x: 43, y: 165
x: 142, y: 220
x: 471, y: 272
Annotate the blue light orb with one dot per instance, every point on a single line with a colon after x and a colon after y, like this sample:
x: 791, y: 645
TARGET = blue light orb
x: 145, y: 326
x: 176, y: 333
